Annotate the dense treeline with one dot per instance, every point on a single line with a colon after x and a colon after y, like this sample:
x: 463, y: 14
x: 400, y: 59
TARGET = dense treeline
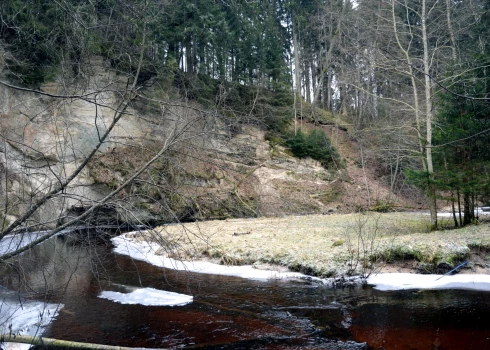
x: 242, y: 42
x: 409, y: 77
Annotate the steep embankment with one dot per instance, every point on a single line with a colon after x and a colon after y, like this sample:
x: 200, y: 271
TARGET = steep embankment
x: 286, y: 185
x: 212, y: 167
x: 242, y: 175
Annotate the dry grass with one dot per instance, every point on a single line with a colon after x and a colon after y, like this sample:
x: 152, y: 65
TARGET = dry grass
x: 322, y: 245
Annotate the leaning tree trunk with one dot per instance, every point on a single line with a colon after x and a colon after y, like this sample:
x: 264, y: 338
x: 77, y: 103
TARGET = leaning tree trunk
x: 57, y: 343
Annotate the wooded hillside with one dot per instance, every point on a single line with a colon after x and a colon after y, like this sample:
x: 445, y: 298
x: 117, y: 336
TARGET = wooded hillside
x: 407, y: 79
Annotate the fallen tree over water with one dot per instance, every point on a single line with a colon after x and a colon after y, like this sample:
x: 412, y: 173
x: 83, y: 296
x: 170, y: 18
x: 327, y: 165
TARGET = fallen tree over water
x: 57, y: 343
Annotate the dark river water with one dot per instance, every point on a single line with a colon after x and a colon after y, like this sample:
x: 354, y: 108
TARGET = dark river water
x: 235, y: 313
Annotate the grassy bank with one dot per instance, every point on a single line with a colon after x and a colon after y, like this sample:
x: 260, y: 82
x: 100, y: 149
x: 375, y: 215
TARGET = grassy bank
x: 322, y: 245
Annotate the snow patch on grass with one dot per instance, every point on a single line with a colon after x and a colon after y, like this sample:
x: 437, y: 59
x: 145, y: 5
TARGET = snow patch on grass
x: 145, y: 251
x: 401, y: 281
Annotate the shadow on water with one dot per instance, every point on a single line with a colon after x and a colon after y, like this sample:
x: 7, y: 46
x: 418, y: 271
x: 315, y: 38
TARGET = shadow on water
x: 234, y: 313
x: 451, y: 319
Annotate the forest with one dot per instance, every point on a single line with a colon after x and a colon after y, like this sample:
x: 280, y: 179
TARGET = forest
x: 138, y: 139
x: 409, y: 79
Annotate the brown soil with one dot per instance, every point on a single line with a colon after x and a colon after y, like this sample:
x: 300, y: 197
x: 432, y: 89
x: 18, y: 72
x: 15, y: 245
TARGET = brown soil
x: 286, y: 185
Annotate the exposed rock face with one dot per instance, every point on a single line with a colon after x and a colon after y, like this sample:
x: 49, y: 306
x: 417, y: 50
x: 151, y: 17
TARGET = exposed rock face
x: 209, y: 169
x: 46, y: 138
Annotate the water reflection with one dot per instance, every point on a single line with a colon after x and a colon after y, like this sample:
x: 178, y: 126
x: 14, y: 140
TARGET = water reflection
x: 451, y: 319
x: 234, y: 313
x: 56, y: 268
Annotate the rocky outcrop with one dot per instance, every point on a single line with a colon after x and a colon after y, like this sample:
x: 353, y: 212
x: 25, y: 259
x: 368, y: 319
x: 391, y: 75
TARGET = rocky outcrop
x: 212, y: 167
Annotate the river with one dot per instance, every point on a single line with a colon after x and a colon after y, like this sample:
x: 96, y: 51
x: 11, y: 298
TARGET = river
x: 231, y: 312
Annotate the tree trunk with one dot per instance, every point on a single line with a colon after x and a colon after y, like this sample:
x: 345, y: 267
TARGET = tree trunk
x: 459, y: 208
x: 454, y: 212
x: 416, y: 108
x: 451, y: 31
x: 314, y: 78
x: 467, y: 209
x: 297, y: 58
x: 473, y: 200
x: 328, y: 90
x: 325, y: 67
x: 428, y: 120
x: 57, y: 343
x: 297, y: 73
x: 306, y: 74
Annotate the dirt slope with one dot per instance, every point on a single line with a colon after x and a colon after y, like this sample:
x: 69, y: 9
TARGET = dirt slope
x: 274, y: 183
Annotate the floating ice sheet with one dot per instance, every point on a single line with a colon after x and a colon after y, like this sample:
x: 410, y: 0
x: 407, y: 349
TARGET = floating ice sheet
x: 18, y: 240
x: 399, y: 281
x: 20, y: 316
x: 15, y: 241
x: 148, y: 297
x: 24, y: 317
x: 145, y: 251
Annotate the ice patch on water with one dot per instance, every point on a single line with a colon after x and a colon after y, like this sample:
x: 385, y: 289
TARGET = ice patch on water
x: 24, y: 317
x: 15, y: 241
x: 148, y: 297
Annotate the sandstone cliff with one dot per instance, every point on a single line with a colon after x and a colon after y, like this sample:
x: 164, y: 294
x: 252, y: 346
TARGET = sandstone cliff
x: 214, y: 166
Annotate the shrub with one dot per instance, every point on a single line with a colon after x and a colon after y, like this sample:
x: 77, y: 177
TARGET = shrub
x: 314, y: 144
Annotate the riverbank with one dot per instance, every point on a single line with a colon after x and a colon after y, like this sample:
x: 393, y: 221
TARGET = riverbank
x: 328, y: 245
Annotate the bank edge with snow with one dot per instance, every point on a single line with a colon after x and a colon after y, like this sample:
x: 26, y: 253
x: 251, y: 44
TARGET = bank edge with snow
x: 403, y: 281
x: 145, y: 251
